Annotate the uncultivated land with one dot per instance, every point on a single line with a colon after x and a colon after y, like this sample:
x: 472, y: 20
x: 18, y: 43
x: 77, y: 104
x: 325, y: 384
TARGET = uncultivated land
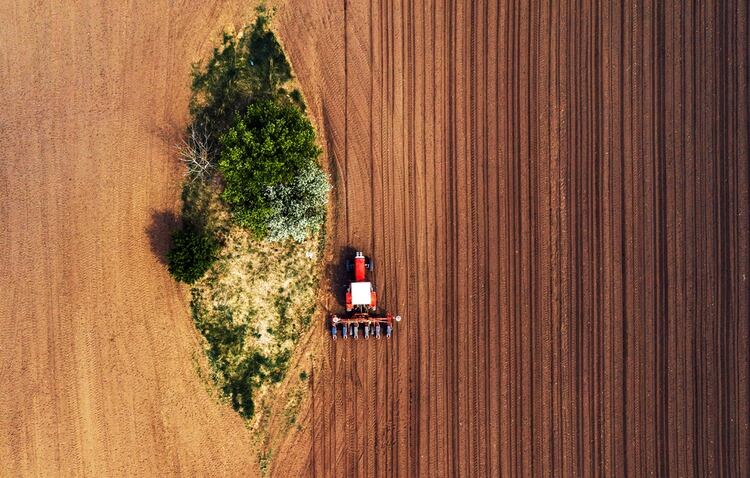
x: 557, y: 197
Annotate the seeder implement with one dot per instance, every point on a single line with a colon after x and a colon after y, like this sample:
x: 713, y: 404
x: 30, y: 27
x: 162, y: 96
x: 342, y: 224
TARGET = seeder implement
x: 370, y: 324
x: 361, y: 306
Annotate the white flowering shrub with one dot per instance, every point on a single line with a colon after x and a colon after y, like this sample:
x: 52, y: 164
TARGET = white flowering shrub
x: 299, y: 206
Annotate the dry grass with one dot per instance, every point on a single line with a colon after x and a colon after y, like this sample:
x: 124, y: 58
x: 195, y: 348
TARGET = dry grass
x: 268, y: 286
x: 252, y: 306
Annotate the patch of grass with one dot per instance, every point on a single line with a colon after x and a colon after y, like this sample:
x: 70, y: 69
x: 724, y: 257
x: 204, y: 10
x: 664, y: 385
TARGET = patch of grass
x: 292, y: 407
x: 264, y: 461
x: 296, y: 96
x: 252, y: 307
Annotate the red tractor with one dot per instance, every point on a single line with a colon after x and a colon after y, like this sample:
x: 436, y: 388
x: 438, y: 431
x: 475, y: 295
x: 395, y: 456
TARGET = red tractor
x: 362, y: 305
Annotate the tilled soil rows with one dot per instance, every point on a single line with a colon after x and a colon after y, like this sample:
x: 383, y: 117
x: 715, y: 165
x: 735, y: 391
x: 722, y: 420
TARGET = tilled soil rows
x: 98, y: 354
x: 556, y: 195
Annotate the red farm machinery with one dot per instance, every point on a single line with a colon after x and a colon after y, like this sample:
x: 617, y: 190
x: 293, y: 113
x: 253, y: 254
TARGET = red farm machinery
x: 362, y: 305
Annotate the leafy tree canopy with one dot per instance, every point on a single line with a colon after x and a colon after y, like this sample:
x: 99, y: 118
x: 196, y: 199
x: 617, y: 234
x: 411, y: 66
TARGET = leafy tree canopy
x: 268, y: 147
x: 193, y: 252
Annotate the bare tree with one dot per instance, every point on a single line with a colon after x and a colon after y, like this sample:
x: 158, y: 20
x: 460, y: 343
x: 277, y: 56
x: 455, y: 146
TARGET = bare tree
x: 195, y: 151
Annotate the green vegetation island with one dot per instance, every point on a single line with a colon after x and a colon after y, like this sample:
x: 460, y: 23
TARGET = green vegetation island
x: 253, y: 218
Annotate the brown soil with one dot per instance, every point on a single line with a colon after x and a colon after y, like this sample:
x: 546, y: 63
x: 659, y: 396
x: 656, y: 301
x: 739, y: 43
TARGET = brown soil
x: 97, y: 349
x: 557, y: 197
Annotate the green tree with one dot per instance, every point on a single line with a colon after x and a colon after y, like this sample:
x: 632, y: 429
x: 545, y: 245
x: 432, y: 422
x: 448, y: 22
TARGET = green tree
x: 193, y: 252
x: 267, y: 148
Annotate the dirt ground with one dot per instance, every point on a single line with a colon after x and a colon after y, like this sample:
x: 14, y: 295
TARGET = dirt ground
x: 97, y: 348
x: 557, y: 197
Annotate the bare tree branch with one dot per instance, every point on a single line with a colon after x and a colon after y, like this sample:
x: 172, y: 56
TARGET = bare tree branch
x: 195, y: 151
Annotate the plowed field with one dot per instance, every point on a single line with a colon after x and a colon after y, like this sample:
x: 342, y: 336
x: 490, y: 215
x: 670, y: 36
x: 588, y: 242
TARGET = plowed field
x: 97, y: 348
x: 556, y: 195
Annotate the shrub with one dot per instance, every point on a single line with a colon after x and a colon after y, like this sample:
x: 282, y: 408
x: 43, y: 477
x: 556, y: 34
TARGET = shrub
x: 193, y: 252
x: 296, y: 96
x: 269, y: 156
x: 299, y: 206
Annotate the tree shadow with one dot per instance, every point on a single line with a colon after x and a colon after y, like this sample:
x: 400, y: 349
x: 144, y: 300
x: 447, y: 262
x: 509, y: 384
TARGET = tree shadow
x: 168, y: 133
x: 338, y: 276
x: 244, y: 68
x: 163, y: 224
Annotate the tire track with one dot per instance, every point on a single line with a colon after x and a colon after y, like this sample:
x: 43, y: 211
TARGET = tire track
x: 588, y: 246
x: 474, y: 239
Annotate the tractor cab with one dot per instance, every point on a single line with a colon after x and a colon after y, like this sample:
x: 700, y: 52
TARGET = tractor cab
x: 360, y: 295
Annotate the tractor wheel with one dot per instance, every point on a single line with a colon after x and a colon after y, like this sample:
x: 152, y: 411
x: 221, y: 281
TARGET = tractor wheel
x: 370, y: 264
x: 349, y: 265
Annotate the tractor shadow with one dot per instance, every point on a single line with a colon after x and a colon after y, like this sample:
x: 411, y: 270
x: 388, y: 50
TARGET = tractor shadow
x: 338, y: 276
x: 159, y: 233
